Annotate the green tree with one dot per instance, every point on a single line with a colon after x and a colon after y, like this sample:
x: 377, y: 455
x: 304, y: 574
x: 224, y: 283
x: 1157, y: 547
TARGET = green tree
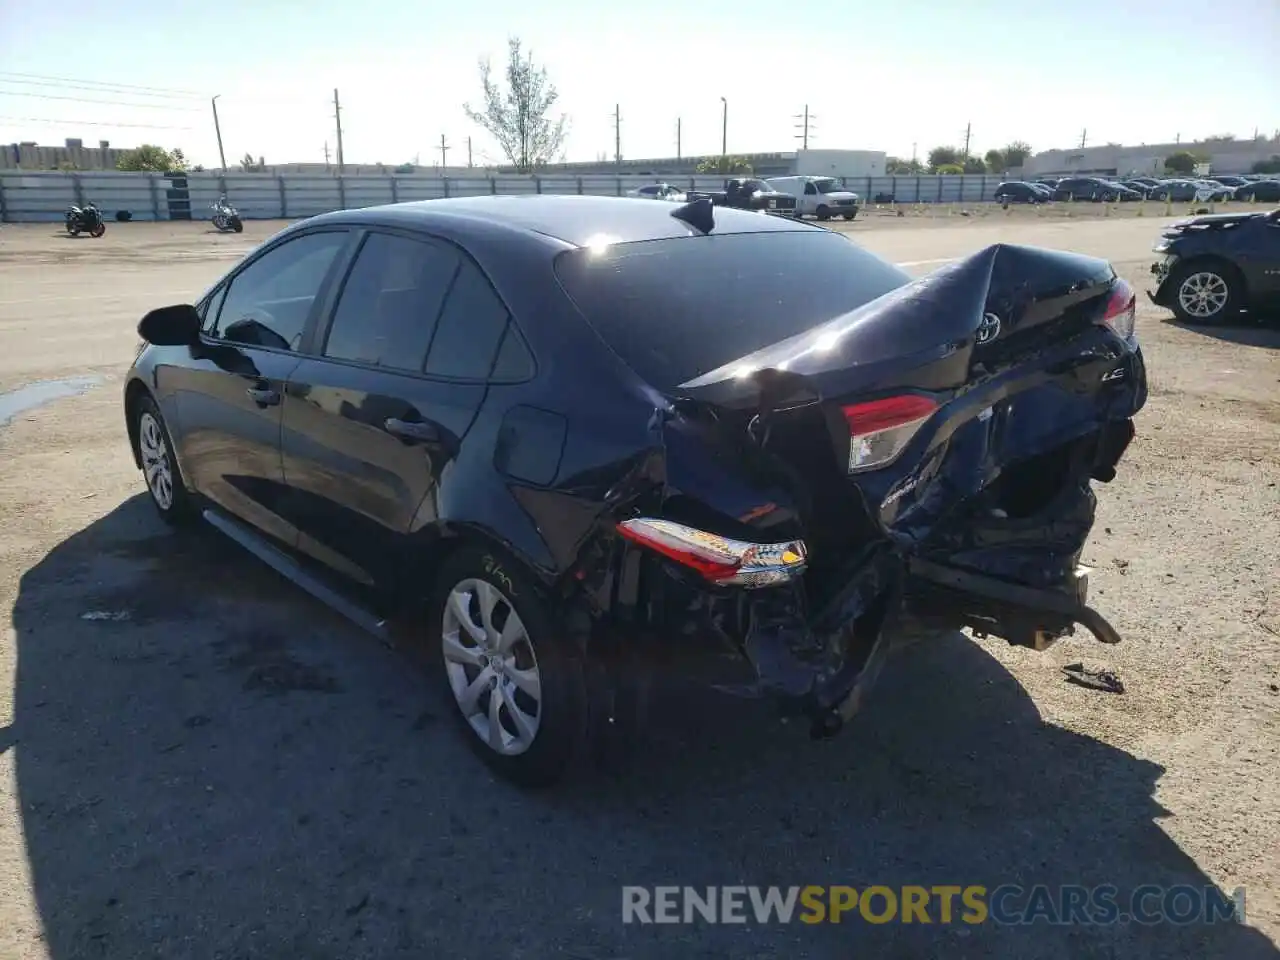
x: 941, y: 156
x: 250, y: 165
x: 950, y: 169
x: 518, y: 117
x: 974, y: 165
x: 896, y: 166
x: 1010, y: 157
x: 996, y: 161
x: 1267, y: 166
x: 727, y: 166
x: 1183, y: 162
x: 151, y: 158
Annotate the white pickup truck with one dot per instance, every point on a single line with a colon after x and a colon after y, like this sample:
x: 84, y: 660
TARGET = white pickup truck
x: 821, y: 197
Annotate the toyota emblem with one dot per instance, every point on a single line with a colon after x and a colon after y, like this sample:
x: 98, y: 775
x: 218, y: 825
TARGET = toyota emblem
x: 988, y: 329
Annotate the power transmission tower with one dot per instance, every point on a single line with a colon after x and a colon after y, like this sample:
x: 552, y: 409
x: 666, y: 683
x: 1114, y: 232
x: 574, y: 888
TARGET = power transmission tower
x: 337, y: 117
x: 444, y: 153
x: 805, y: 125
x: 617, y: 134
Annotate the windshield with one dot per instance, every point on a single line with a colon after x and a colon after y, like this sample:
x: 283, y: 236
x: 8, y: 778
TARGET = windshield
x: 828, y: 185
x: 676, y: 309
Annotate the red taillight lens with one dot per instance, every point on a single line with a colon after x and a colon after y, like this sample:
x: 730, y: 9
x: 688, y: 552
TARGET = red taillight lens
x: 719, y: 559
x: 1121, y: 309
x: 879, y: 430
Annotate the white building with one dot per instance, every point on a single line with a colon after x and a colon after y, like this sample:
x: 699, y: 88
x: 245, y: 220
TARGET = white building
x: 1225, y: 156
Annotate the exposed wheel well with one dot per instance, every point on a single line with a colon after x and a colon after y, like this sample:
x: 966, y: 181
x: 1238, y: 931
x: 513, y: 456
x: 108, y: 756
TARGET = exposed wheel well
x: 133, y: 393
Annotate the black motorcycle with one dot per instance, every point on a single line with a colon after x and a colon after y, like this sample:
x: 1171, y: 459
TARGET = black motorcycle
x: 226, y: 217
x: 85, y: 219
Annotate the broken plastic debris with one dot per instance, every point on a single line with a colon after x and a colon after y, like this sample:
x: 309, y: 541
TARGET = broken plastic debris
x: 105, y: 615
x: 1095, y: 678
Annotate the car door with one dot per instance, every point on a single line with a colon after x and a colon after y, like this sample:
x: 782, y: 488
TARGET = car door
x: 1259, y: 257
x: 229, y: 396
x: 372, y: 422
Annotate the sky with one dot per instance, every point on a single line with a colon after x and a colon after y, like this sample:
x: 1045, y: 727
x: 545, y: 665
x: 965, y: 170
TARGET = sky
x: 897, y: 76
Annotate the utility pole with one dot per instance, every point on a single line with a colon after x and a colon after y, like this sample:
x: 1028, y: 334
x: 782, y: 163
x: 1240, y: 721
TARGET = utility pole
x: 1084, y: 136
x: 469, y: 152
x: 337, y: 117
x: 677, y: 138
x: 444, y: 153
x: 913, y: 153
x: 724, y: 130
x: 326, y: 154
x: 968, y: 129
x: 617, y: 134
x: 218, y: 130
x: 803, y: 127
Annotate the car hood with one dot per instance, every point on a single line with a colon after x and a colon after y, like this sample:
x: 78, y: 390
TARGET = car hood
x: 1211, y: 221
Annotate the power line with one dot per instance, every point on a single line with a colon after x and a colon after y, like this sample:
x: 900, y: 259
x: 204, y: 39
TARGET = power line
x: 105, y: 103
x: 100, y: 84
x: 93, y: 123
x: 93, y: 88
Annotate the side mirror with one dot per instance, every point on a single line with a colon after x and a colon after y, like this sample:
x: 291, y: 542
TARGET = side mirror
x: 176, y: 326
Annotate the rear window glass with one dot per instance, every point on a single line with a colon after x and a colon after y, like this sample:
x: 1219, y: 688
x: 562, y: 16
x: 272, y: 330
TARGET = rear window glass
x: 676, y: 309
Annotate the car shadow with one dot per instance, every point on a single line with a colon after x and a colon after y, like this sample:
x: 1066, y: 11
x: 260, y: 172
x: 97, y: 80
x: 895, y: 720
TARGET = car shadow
x: 1253, y: 330
x: 210, y: 764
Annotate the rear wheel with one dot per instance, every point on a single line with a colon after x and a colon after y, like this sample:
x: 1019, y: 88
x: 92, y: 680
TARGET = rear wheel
x: 511, y: 669
x: 98, y: 231
x: 1205, y: 292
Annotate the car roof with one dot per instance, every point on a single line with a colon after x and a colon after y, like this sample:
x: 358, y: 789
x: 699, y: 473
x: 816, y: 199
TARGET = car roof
x: 575, y: 220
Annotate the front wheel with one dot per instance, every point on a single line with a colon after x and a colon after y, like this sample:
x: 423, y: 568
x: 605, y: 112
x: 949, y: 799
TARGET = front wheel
x: 98, y: 231
x: 1205, y: 293
x: 73, y: 228
x: 237, y: 225
x: 159, y: 468
x: 851, y: 214
x: 511, y: 669
x: 824, y: 212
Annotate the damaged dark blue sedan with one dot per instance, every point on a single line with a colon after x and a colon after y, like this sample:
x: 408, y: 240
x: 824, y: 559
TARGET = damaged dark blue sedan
x: 568, y: 441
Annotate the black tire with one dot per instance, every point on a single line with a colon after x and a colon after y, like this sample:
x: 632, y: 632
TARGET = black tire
x: 98, y: 231
x: 237, y: 226
x: 1207, y: 275
x: 851, y: 215
x: 177, y: 508
x: 824, y: 212
x: 548, y: 647
x: 73, y: 229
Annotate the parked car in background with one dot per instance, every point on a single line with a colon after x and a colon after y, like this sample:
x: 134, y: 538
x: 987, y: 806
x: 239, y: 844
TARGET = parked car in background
x: 1212, y: 267
x: 1229, y: 181
x: 1093, y: 188
x: 1019, y: 191
x: 1217, y: 191
x: 1147, y: 182
x: 1139, y: 186
x: 749, y: 193
x: 821, y: 197
x: 570, y: 439
x: 658, y: 191
x: 1259, y: 191
x: 1181, y: 191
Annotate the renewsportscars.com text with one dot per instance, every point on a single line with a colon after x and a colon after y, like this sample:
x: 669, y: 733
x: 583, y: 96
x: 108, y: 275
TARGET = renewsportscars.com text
x: 1008, y: 904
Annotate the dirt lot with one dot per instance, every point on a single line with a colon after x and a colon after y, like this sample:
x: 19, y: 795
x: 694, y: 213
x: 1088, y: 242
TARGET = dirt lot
x: 232, y: 772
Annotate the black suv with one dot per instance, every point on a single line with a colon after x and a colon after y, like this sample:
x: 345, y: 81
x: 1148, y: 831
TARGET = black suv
x: 1217, y: 265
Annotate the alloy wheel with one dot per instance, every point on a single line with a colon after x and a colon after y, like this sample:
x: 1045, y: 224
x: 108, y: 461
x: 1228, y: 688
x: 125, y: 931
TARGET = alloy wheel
x: 155, y: 460
x: 491, y: 666
x: 1203, y: 295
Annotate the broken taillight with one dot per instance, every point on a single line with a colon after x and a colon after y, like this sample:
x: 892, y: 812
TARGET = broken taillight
x: 1121, y: 309
x: 879, y: 430
x: 719, y: 559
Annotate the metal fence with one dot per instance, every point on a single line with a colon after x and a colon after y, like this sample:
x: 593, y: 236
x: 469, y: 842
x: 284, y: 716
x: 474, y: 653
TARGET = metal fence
x: 44, y: 196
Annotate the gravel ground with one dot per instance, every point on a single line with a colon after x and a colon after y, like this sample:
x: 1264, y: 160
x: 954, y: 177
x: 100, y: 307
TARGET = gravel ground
x: 233, y: 772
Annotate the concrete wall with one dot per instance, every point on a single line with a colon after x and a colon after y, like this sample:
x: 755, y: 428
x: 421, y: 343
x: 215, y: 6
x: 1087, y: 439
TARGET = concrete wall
x: 75, y: 154
x: 44, y: 196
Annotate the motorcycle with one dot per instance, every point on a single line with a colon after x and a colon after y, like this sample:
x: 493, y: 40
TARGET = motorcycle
x: 225, y: 216
x: 86, y: 218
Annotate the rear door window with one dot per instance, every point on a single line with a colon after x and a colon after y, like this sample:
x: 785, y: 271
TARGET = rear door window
x: 471, y: 328
x: 390, y: 302
x: 676, y: 309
